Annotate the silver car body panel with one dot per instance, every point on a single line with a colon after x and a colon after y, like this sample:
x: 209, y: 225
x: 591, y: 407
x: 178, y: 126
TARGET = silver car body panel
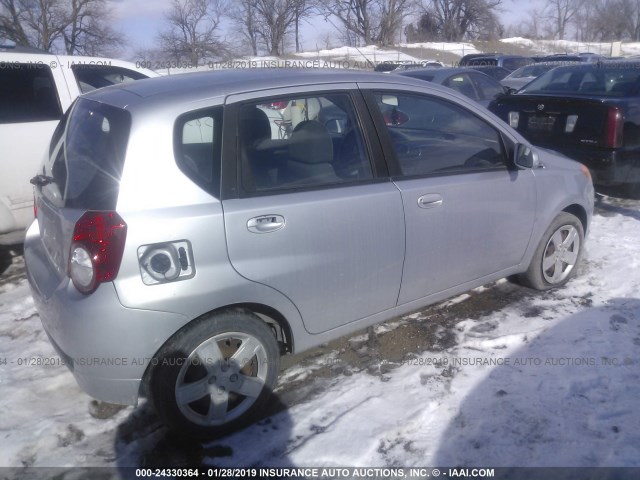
x: 340, y: 263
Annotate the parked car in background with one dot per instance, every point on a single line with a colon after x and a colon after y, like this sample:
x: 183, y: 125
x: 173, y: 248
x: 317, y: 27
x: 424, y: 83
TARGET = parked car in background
x: 569, y: 57
x: 518, y: 79
x: 509, y: 62
x: 589, y: 112
x: 199, y: 261
x: 386, y: 67
x: 495, y: 72
x: 467, y: 81
x: 37, y: 88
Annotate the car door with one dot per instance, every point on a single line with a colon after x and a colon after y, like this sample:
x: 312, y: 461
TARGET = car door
x: 469, y: 213
x: 308, y: 208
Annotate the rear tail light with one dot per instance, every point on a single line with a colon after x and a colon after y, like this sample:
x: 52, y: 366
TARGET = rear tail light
x: 615, y: 124
x: 96, y: 250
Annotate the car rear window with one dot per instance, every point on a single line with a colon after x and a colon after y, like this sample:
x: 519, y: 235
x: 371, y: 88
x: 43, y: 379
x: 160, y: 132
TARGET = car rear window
x: 28, y: 93
x: 515, y: 63
x: 483, y: 61
x: 597, y: 80
x: 89, y: 157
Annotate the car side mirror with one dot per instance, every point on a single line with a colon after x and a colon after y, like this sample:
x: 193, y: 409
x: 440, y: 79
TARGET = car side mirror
x: 525, y: 156
x: 507, y: 90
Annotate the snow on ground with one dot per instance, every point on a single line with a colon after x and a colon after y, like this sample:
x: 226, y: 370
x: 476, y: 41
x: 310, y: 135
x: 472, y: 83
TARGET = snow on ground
x: 569, y: 46
x: 368, y: 54
x: 457, y: 48
x: 551, y: 380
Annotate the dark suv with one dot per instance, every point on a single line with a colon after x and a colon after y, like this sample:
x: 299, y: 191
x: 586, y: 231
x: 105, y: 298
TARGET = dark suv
x: 510, y: 62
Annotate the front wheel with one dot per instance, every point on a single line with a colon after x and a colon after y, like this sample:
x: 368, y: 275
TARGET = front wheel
x: 557, y: 255
x: 214, y: 376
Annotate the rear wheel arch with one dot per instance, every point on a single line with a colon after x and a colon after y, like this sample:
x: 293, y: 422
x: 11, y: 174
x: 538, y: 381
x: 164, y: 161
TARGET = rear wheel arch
x: 269, y: 315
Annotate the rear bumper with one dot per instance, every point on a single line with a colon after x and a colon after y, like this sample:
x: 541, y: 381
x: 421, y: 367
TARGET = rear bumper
x: 106, y: 346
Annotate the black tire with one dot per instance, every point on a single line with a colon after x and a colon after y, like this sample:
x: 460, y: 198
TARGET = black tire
x: 5, y: 259
x: 567, y: 257
x: 196, y: 366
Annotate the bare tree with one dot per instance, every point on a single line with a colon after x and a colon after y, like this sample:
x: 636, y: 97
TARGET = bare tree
x: 72, y: 26
x: 373, y: 21
x: 584, y: 22
x: 303, y: 9
x: 88, y: 31
x: 454, y: 20
x: 11, y: 22
x: 614, y: 19
x: 276, y: 18
x: 244, y: 17
x: 562, y: 13
x: 36, y: 23
x: 192, y: 30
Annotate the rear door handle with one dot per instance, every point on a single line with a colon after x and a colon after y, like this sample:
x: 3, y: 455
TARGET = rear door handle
x: 266, y: 223
x: 430, y: 200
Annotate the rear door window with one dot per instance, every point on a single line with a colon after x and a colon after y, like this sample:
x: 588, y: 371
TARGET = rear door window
x: 301, y: 142
x: 488, y: 88
x: 463, y: 84
x: 28, y: 93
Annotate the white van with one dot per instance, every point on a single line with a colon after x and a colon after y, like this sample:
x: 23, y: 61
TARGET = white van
x: 37, y: 88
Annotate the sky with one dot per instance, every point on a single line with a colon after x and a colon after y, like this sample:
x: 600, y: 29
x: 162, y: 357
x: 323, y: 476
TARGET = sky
x: 140, y: 21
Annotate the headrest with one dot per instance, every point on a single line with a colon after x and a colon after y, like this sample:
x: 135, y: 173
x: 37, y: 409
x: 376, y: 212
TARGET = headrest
x: 311, y: 143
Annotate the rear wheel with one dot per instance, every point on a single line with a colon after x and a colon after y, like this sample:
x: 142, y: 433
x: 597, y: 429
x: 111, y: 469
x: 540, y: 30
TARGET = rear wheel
x: 215, y: 376
x: 557, y: 255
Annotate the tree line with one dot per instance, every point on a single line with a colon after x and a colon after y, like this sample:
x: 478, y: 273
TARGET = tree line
x: 583, y: 20
x: 197, y: 31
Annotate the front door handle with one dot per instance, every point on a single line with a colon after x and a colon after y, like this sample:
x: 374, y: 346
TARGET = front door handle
x: 266, y: 223
x: 430, y: 200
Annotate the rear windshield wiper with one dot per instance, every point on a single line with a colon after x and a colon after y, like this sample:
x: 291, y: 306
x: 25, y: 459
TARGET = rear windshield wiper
x: 41, y: 180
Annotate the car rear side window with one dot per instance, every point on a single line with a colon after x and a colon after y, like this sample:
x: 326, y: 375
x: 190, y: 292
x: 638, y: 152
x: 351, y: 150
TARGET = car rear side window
x: 301, y: 142
x: 432, y: 136
x: 87, y: 164
x: 490, y: 89
x: 462, y: 84
x: 198, y: 147
x: 28, y: 93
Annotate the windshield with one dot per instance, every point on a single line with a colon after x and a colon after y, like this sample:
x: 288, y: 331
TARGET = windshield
x: 610, y: 80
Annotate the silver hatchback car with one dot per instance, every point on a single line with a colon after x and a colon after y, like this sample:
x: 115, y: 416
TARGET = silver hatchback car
x: 192, y: 229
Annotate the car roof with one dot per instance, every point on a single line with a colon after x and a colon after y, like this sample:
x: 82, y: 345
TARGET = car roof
x: 6, y: 47
x: 499, y: 56
x: 193, y: 87
x: 603, y: 65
